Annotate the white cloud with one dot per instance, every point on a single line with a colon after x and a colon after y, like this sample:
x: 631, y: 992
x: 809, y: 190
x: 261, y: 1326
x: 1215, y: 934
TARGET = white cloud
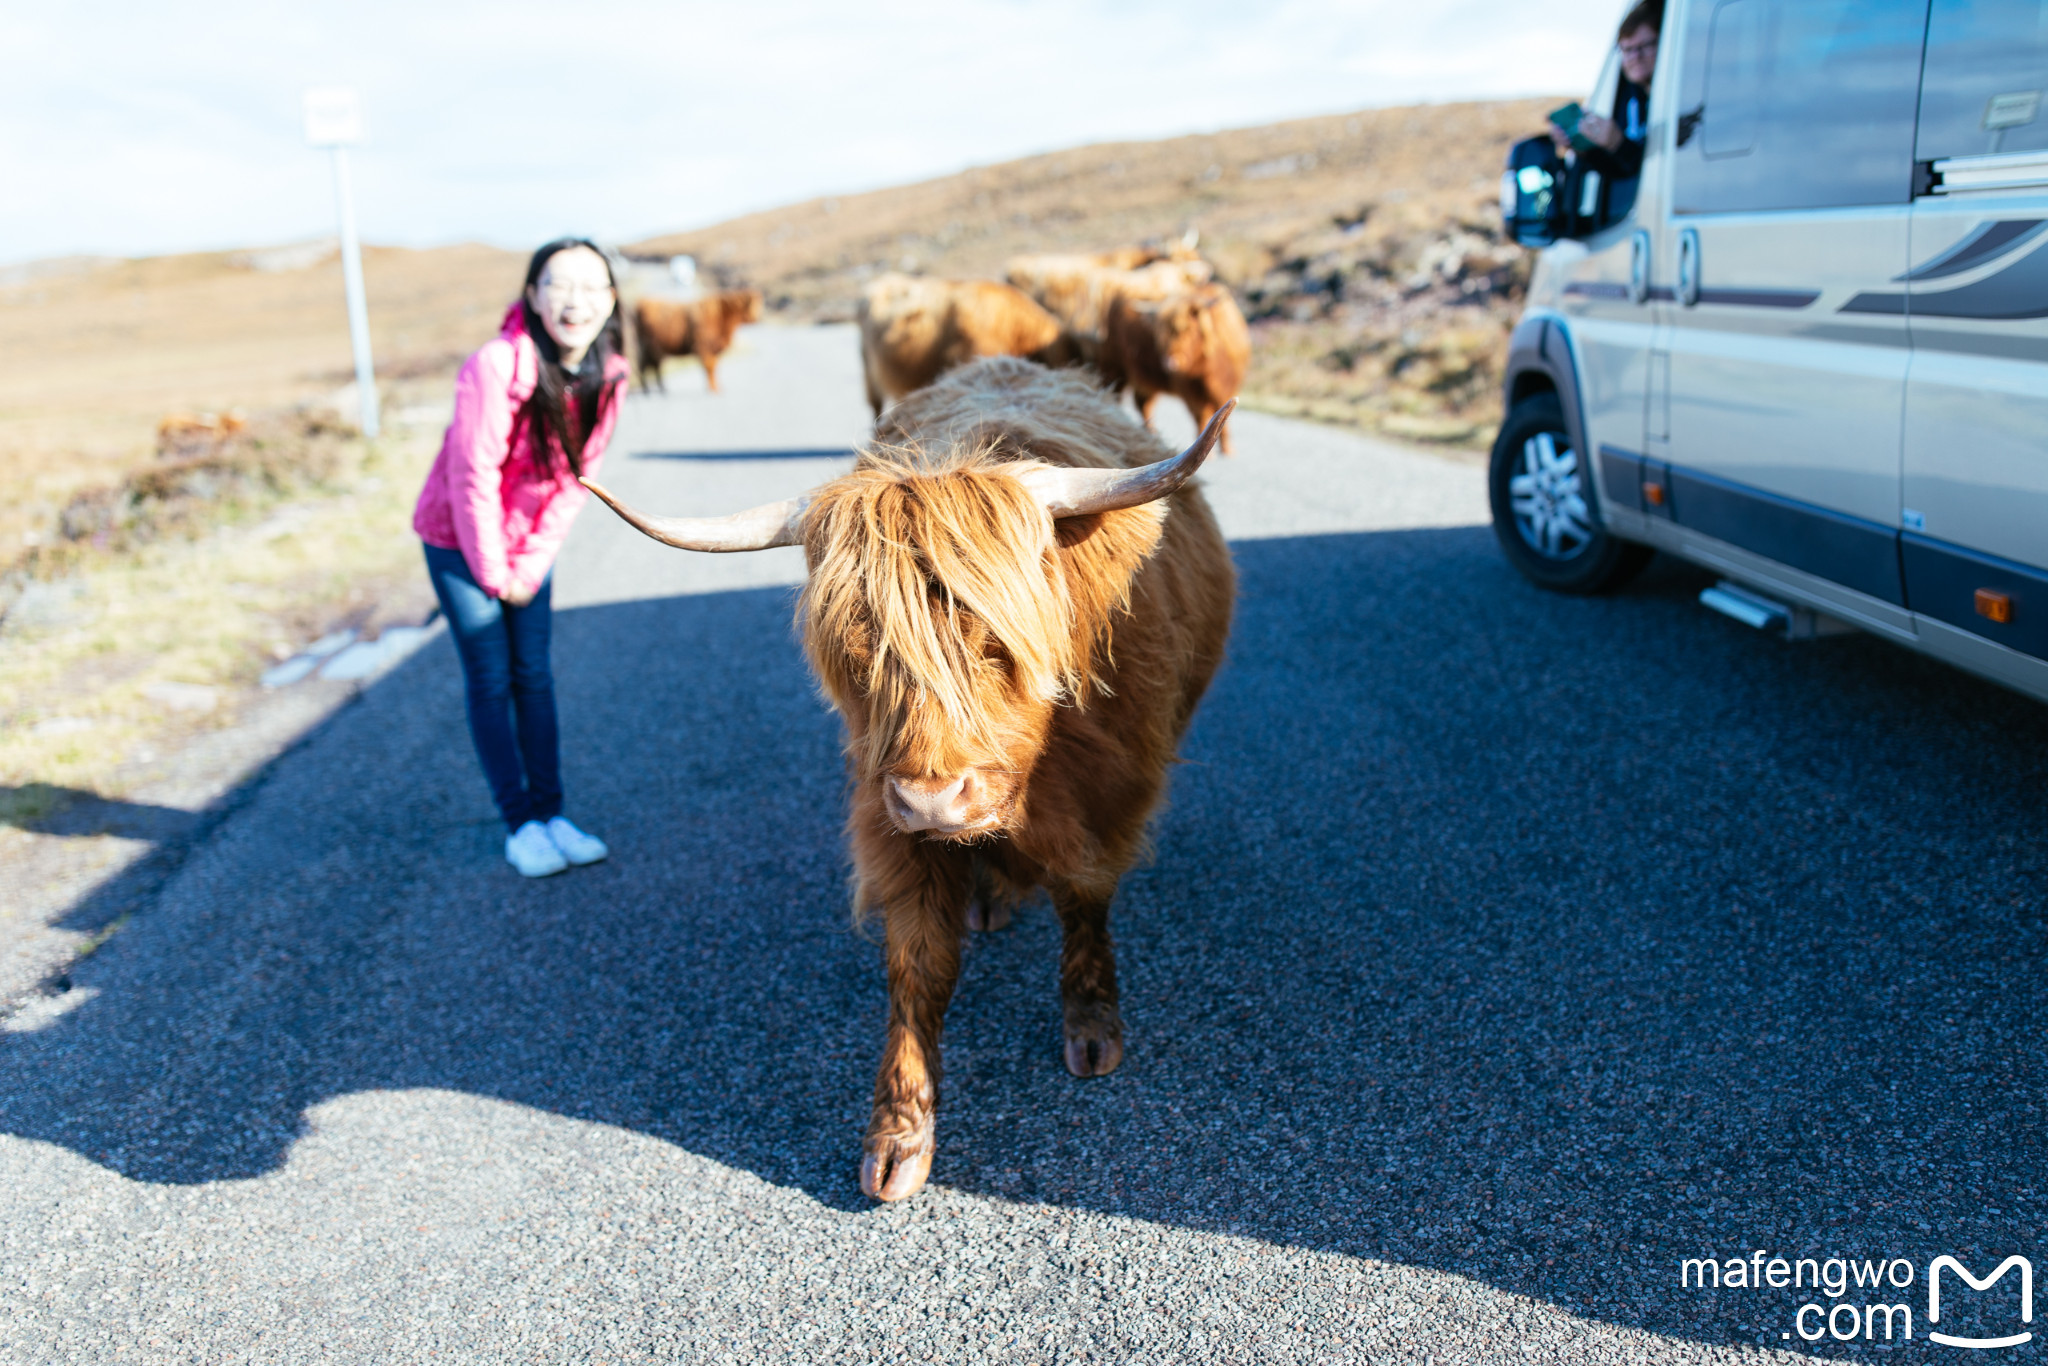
x: 129, y: 128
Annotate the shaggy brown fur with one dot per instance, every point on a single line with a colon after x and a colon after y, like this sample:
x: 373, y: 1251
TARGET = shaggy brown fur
x: 702, y: 328
x: 1078, y: 290
x: 912, y: 330
x: 1193, y: 345
x: 959, y: 629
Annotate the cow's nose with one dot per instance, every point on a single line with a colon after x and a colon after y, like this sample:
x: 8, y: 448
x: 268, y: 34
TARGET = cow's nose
x: 941, y: 804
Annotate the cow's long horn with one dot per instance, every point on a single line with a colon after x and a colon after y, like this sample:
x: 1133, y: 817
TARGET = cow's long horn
x: 1070, y: 492
x: 760, y: 528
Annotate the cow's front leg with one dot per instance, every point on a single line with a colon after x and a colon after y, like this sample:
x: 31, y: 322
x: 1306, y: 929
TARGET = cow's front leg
x: 1094, y: 1029
x: 923, y: 923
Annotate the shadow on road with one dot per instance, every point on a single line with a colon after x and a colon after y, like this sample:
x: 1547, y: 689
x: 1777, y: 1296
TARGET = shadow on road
x: 1546, y: 941
x: 48, y: 809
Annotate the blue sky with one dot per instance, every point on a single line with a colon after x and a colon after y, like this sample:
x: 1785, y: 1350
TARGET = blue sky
x: 130, y: 128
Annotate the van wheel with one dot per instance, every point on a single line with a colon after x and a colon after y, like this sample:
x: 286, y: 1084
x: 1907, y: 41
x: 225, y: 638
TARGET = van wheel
x: 1545, y: 509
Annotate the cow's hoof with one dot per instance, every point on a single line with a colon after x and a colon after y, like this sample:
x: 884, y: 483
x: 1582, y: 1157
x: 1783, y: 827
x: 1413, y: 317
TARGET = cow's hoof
x: 897, y: 1168
x: 984, y: 913
x: 1095, y: 1048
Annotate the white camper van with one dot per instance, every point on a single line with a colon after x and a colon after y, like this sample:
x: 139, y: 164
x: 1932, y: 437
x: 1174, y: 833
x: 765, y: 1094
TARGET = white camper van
x: 1810, y: 352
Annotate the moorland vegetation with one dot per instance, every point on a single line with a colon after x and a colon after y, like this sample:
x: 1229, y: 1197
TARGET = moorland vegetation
x: 187, y: 502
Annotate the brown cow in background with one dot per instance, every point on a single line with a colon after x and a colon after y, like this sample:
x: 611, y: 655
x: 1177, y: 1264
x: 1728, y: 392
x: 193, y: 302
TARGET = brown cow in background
x: 912, y: 330
x: 966, y: 582
x: 1079, y: 289
x: 1193, y: 345
x: 700, y: 327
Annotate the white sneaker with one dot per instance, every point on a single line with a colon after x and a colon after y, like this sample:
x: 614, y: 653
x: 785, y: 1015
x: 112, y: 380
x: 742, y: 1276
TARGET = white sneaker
x: 531, y: 851
x: 576, y: 846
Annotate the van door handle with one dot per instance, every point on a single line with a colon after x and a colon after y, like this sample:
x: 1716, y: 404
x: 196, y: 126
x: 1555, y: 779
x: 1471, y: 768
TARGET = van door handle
x: 1639, y: 266
x: 1689, y: 267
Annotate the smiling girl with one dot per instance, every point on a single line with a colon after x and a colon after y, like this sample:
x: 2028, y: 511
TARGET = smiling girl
x: 534, y: 409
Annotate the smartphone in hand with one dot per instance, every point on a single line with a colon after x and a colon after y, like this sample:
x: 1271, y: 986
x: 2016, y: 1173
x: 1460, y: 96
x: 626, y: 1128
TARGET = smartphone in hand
x: 1568, y: 118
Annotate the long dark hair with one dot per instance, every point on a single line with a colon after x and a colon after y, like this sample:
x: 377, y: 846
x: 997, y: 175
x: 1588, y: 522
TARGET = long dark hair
x: 567, y: 404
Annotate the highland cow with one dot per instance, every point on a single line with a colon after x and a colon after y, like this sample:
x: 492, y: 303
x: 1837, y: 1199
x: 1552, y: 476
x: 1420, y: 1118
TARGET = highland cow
x: 1193, y: 345
x: 1079, y: 291
x: 702, y: 328
x: 912, y: 330
x: 1015, y: 601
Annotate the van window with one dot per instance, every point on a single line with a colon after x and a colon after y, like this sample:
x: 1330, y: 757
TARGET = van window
x: 1735, y: 62
x: 1987, y: 66
x: 1798, y: 104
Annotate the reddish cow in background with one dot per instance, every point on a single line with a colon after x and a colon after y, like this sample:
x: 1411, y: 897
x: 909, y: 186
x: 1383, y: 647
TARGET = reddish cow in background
x: 1015, y: 600
x: 1193, y: 345
x: 1079, y: 290
x: 700, y: 327
x: 912, y: 330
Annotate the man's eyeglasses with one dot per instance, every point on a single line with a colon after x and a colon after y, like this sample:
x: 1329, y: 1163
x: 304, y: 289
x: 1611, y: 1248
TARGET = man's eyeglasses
x: 1638, y: 49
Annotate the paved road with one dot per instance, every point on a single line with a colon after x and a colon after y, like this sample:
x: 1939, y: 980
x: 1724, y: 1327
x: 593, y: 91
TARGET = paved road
x: 1501, y: 951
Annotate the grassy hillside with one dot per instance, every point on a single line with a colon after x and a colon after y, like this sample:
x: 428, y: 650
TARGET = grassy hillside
x: 94, y: 352
x: 1365, y: 248
x: 129, y: 576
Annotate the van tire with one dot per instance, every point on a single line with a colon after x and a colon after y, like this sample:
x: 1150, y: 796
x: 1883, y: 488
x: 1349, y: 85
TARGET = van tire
x: 1558, y: 541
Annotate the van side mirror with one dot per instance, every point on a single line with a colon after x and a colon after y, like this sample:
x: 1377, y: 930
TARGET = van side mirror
x: 1532, y: 193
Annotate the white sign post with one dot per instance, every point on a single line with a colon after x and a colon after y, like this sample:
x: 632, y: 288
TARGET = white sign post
x: 334, y: 120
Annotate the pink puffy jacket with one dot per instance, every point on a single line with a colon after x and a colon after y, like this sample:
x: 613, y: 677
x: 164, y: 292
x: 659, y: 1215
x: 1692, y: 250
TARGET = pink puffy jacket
x: 484, y: 496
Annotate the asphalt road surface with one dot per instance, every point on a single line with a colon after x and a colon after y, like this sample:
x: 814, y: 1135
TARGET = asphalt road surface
x: 1501, y: 952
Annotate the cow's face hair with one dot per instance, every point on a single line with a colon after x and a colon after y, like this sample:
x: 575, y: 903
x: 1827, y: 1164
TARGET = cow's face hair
x: 938, y: 618
x: 940, y: 613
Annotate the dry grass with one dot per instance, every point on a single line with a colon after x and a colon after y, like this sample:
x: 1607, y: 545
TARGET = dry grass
x: 82, y: 656
x: 1365, y: 248
x: 1362, y: 246
x: 1249, y: 191
x: 93, y: 353
x: 1395, y: 203
x: 129, y: 568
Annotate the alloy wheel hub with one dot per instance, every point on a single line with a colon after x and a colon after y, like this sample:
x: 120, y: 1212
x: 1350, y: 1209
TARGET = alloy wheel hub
x: 1548, y: 499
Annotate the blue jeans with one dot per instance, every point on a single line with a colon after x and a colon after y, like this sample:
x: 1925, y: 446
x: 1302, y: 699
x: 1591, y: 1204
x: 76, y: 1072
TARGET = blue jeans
x: 511, y: 688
